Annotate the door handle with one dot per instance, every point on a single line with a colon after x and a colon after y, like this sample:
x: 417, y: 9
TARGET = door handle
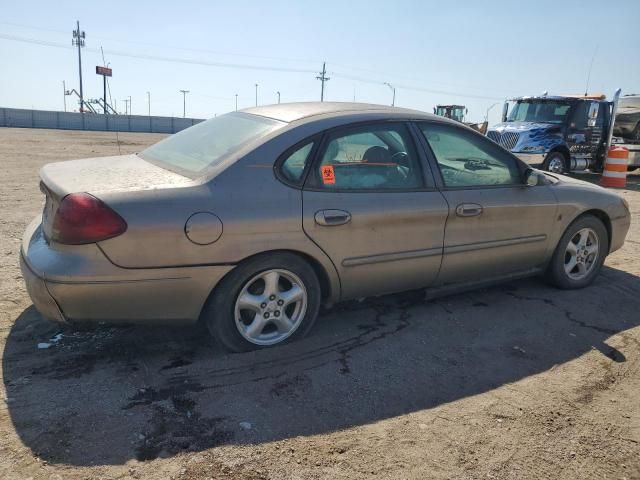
x: 468, y: 210
x: 330, y: 218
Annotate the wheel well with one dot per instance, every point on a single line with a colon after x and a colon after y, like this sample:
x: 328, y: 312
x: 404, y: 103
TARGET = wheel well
x: 562, y: 150
x: 603, y: 217
x: 323, y: 277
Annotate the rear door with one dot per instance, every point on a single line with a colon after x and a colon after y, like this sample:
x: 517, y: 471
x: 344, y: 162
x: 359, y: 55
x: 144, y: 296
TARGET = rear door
x: 496, y: 224
x: 369, y: 205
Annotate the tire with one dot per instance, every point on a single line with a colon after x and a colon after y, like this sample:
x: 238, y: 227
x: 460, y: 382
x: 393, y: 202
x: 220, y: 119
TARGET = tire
x: 266, y: 282
x: 558, y: 273
x: 635, y: 135
x: 555, y: 161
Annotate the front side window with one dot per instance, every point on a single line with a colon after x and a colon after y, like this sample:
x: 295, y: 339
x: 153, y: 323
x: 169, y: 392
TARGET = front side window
x: 196, y: 149
x: 370, y: 158
x: 469, y: 160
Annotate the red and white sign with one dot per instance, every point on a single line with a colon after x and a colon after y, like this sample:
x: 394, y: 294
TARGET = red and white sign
x: 103, y: 71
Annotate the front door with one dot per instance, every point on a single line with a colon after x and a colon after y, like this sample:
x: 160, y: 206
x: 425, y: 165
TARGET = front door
x: 368, y: 204
x: 496, y: 225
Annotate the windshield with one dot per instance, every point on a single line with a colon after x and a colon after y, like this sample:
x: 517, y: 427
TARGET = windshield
x: 539, y: 111
x: 206, y: 144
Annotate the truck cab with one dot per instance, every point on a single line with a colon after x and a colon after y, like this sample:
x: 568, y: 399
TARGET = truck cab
x: 455, y: 112
x: 556, y: 133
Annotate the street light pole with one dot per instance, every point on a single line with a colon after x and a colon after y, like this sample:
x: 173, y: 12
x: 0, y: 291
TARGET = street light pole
x: 184, y: 102
x: 149, y: 102
x: 236, y: 102
x: 278, y: 96
x: 256, y: 94
x: 393, y: 89
x: 64, y: 95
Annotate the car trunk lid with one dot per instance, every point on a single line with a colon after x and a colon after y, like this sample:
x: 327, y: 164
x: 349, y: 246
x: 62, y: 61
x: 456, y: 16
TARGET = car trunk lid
x: 100, y: 176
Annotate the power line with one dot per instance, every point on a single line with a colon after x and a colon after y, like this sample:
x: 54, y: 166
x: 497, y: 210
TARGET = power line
x: 173, y: 47
x: 161, y: 58
x: 251, y: 67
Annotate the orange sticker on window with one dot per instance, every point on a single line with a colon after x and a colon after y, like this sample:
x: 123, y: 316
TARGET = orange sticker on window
x: 328, y: 175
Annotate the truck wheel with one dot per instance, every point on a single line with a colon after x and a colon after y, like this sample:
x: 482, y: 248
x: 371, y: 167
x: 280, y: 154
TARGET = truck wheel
x: 555, y: 163
x: 267, y: 301
x: 579, y: 255
x: 635, y: 135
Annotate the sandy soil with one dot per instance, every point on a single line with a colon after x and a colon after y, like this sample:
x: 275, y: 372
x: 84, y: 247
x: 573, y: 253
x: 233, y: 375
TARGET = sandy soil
x: 519, y: 381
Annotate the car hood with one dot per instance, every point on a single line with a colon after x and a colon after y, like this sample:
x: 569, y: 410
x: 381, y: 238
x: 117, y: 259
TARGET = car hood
x: 523, y: 127
x: 108, y: 175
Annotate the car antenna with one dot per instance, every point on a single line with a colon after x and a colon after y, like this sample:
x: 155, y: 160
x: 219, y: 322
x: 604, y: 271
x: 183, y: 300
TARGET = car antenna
x: 586, y: 90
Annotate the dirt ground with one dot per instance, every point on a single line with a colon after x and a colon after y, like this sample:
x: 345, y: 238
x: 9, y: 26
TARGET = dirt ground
x: 518, y: 381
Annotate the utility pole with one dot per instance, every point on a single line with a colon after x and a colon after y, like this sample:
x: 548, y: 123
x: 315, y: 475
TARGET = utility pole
x: 64, y: 95
x: 126, y: 106
x: 149, y: 102
x: 130, y: 106
x: 78, y: 39
x: 256, y: 94
x: 184, y: 102
x: 393, y: 101
x: 323, y: 78
x: 278, y: 96
x: 236, y: 102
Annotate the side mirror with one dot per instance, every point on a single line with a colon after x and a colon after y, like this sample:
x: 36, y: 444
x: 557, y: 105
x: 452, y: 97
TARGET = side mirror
x: 505, y: 111
x: 532, y: 178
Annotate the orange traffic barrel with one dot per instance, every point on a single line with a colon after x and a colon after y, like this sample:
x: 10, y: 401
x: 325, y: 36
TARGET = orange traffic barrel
x: 615, y: 168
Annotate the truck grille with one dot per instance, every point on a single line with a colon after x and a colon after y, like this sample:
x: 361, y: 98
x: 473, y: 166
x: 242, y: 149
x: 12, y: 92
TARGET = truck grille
x: 506, y: 140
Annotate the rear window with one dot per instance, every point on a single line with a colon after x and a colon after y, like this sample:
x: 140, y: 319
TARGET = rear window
x: 206, y: 144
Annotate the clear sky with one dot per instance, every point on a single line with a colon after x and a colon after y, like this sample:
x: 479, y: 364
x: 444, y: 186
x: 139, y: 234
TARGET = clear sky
x: 466, y: 52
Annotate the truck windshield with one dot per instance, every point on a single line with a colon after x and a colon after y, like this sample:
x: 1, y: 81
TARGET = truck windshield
x: 539, y: 111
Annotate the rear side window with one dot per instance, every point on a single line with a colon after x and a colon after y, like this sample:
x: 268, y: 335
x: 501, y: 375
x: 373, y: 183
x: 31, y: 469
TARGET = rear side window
x: 466, y: 159
x: 375, y: 157
x: 194, y: 150
x: 292, y: 168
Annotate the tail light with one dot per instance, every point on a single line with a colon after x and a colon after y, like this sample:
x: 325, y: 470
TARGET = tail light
x: 82, y: 218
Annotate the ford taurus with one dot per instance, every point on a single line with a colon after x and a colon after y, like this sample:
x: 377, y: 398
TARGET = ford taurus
x: 251, y: 220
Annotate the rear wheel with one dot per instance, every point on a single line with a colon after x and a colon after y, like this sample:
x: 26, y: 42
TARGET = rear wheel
x: 580, y: 254
x: 267, y: 301
x: 555, y: 162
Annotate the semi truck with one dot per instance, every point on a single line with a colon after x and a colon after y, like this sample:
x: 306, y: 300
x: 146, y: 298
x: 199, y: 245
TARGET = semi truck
x: 558, y: 133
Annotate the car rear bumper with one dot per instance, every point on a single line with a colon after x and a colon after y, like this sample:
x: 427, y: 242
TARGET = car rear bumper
x: 533, y: 159
x: 78, y: 283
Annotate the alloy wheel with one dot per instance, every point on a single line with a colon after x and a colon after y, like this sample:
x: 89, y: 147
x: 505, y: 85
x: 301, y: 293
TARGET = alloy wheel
x: 270, y: 307
x: 581, y: 254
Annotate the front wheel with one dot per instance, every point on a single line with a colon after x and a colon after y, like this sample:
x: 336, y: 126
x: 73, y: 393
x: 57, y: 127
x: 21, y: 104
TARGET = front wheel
x: 580, y: 254
x: 264, y: 302
x: 555, y: 162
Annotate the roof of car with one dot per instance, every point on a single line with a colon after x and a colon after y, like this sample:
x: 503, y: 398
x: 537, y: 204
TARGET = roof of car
x: 291, y: 112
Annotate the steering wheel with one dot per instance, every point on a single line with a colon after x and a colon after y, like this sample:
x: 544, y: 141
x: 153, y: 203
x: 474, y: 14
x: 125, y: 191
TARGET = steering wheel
x: 401, y: 158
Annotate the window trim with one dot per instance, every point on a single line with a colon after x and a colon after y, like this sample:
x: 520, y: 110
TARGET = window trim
x: 316, y: 139
x: 312, y: 183
x: 435, y: 166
